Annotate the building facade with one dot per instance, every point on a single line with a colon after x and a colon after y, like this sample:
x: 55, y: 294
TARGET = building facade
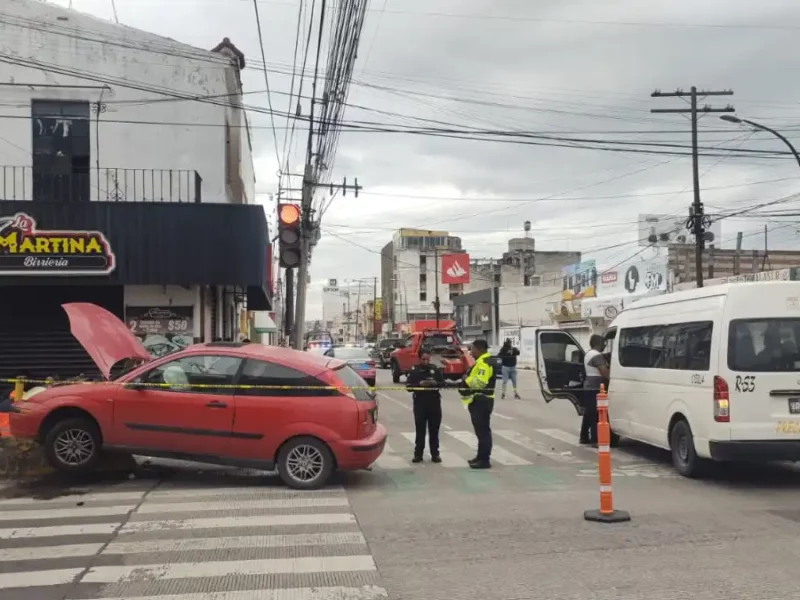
x: 409, y: 273
x: 121, y: 186
x: 521, y: 266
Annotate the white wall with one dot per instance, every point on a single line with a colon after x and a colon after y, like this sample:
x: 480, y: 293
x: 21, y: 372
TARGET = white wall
x: 407, y: 274
x: 334, y: 304
x: 527, y: 305
x: 152, y: 65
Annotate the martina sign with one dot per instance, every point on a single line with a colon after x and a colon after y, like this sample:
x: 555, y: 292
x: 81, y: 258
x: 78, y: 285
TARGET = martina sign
x: 27, y: 250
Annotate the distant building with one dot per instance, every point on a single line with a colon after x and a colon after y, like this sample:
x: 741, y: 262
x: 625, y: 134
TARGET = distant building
x: 408, y: 275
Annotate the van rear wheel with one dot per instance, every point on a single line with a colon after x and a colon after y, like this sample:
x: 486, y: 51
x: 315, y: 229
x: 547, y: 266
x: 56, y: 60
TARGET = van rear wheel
x: 395, y: 372
x: 684, y: 456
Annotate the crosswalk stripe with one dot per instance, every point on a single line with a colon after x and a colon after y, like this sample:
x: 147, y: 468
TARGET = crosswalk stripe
x: 449, y: 459
x: 499, y: 454
x: 66, y: 513
x: 46, y: 552
x: 563, y: 436
x: 38, y: 578
x: 367, y: 592
x: 58, y: 530
x: 538, y: 447
x: 185, y: 545
x: 309, y: 564
x: 132, y: 497
x: 390, y: 460
x: 230, y: 543
x: 232, y: 522
x: 229, y: 505
x: 228, y: 492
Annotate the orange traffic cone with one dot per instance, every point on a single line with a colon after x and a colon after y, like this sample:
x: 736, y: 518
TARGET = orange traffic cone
x: 606, y: 514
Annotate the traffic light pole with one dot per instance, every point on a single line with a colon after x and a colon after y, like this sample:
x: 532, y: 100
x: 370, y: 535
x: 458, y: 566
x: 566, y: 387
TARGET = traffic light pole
x: 288, y: 322
x: 305, y: 258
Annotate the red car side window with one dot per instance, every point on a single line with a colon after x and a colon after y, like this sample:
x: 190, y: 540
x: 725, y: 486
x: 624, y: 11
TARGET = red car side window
x: 205, y: 374
x: 271, y: 379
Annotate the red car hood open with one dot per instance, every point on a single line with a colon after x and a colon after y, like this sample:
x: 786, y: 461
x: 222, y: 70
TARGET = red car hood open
x: 104, y: 337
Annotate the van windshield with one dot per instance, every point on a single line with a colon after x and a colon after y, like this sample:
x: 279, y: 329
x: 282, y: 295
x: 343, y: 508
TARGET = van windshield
x: 764, y: 345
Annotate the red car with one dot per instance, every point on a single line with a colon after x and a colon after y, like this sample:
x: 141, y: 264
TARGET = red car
x: 359, y: 359
x: 195, y: 404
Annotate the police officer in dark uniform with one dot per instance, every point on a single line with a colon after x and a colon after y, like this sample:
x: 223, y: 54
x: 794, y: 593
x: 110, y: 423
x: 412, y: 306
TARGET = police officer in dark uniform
x: 427, y: 404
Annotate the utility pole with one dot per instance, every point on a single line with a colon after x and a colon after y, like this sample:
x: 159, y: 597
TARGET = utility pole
x: 375, y: 306
x: 437, y: 306
x: 289, y: 301
x: 698, y: 222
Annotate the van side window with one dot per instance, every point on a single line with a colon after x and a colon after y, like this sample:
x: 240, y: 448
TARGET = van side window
x: 678, y: 346
x: 764, y: 345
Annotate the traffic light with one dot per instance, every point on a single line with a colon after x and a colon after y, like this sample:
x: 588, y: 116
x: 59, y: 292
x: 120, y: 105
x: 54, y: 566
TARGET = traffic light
x: 289, y: 235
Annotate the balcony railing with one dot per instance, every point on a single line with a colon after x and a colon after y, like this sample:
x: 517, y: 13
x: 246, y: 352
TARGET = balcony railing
x: 107, y: 185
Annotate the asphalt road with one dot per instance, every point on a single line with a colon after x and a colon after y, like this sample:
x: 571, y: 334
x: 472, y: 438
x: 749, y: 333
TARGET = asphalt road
x: 414, y: 532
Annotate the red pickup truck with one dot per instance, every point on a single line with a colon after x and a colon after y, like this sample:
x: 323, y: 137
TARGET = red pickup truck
x: 446, y: 351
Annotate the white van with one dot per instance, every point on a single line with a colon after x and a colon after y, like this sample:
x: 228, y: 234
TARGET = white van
x: 710, y: 373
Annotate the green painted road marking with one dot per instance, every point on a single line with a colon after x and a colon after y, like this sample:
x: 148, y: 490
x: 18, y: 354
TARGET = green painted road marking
x: 538, y: 476
x: 476, y: 482
x: 407, y: 481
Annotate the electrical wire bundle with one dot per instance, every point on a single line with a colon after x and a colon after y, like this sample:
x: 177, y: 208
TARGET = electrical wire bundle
x: 345, y: 34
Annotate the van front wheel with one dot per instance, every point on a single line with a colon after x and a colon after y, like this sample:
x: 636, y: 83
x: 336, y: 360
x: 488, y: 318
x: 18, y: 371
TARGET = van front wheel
x: 684, y: 456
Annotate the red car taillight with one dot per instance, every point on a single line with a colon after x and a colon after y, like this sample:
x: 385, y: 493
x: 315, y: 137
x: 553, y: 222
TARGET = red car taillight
x: 722, y: 408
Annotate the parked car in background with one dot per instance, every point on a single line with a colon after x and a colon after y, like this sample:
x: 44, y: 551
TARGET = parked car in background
x: 358, y: 359
x: 302, y: 413
x: 382, y: 352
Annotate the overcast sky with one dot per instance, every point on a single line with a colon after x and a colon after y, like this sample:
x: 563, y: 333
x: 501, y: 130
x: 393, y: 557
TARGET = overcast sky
x: 579, y: 68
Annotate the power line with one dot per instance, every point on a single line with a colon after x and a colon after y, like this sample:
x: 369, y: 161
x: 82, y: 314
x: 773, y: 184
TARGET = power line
x: 266, y: 83
x: 613, y: 23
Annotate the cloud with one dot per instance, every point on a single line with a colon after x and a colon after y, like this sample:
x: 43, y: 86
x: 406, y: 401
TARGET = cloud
x: 575, y: 67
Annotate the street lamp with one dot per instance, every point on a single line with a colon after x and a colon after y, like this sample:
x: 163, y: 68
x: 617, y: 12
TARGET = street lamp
x: 739, y: 121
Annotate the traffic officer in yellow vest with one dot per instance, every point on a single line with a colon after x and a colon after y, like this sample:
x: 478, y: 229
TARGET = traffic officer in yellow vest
x: 477, y: 391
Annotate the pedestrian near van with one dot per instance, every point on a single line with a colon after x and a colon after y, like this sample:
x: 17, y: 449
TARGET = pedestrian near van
x: 597, y: 374
x: 477, y: 391
x: 427, y: 405
x: 508, y: 357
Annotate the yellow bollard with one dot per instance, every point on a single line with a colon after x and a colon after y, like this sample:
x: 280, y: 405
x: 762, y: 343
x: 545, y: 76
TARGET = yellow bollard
x: 19, y: 389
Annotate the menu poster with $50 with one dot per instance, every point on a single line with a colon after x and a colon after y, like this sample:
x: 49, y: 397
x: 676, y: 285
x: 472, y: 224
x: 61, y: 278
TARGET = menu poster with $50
x: 161, y: 329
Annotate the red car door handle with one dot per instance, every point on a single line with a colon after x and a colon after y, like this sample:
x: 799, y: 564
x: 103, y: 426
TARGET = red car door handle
x: 216, y: 404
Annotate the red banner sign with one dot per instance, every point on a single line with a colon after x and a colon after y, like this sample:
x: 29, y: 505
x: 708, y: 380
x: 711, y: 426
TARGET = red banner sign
x: 455, y: 268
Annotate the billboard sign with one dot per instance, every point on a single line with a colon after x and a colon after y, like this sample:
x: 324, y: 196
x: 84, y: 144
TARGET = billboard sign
x: 662, y: 231
x: 455, y: 268
x: 579, y: 281
x: 634, y: 278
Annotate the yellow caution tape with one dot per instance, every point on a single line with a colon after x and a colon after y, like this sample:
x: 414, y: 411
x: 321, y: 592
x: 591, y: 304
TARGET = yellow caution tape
x: 54, y: 383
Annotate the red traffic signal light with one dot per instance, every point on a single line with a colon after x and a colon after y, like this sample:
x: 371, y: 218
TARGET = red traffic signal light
x: 289, y: 214
x: 290, y: 252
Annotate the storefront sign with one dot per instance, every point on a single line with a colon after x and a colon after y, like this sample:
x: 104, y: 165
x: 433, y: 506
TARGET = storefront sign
x: 378, y: 309
x: 27, y: 250
x: 162, y: 329
x: 776, y: 275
